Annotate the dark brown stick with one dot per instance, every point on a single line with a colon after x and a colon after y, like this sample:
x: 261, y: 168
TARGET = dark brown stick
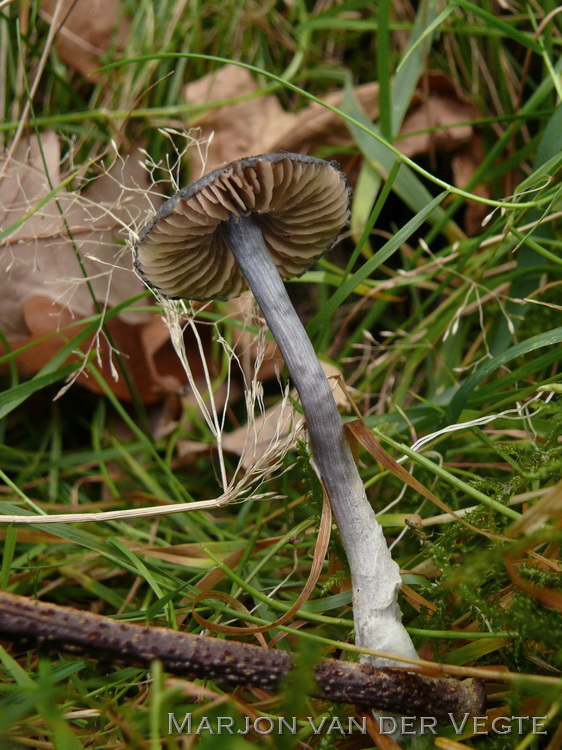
x: 32, y: 623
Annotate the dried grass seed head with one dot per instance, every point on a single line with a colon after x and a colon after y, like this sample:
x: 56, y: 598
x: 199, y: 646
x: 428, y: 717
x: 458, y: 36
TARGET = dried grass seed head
x: 299, y: 202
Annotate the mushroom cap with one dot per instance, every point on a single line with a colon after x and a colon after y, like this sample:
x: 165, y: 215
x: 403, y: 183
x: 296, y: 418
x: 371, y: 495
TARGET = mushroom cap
x: 300, y: 203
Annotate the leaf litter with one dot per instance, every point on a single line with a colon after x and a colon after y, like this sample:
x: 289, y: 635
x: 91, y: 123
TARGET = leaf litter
x: 68, y: 259
x: 88, y: 29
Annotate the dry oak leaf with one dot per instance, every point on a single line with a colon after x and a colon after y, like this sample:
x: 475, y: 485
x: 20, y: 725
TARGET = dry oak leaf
x: 259, y: 124
x: 42, y: 288
x: 145, y: 348
x: 251, y: 347
x: 239, y: 129
x: 276, y: 423
x: 445, y: 114
x: 440, y: 110
x: 39, y: 258
x: 89, y: 28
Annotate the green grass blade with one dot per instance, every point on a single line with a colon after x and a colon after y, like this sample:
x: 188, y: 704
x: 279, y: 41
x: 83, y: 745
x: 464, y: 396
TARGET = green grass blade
x: 460, y: 398
x: 495, y: 22
x: 390, y: 247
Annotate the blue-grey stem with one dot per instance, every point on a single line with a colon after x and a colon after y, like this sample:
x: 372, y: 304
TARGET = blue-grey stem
x: 375, y: 576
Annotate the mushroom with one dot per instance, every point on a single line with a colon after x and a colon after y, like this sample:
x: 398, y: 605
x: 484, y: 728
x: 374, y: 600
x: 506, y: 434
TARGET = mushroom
x: 249, y: 224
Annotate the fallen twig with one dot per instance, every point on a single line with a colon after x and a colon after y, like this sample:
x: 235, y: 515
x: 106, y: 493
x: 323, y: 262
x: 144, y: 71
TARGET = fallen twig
x: 32, y: 623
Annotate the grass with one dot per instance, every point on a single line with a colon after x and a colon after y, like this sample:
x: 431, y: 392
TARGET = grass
x: 439, y: 335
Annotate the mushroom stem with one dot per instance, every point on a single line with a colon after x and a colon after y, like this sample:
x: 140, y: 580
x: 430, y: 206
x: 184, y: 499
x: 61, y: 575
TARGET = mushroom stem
x: 375, y: 576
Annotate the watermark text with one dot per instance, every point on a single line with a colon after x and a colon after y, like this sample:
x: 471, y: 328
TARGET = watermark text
x: 405, y: 725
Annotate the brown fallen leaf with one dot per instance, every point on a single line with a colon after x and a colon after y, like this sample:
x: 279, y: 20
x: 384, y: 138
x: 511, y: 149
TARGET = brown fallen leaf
x: 88, y: 30
x: 275, y: 424
x: 445, y: 113
x: 43, y: 293
x: 315, y: 126
x: 253, y: 350
x: 153, y: 370
x: 40, y: 257
x: 259, y: 125
x: 239, y: 129
x: 249, y: 442
x: 441, y: 111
